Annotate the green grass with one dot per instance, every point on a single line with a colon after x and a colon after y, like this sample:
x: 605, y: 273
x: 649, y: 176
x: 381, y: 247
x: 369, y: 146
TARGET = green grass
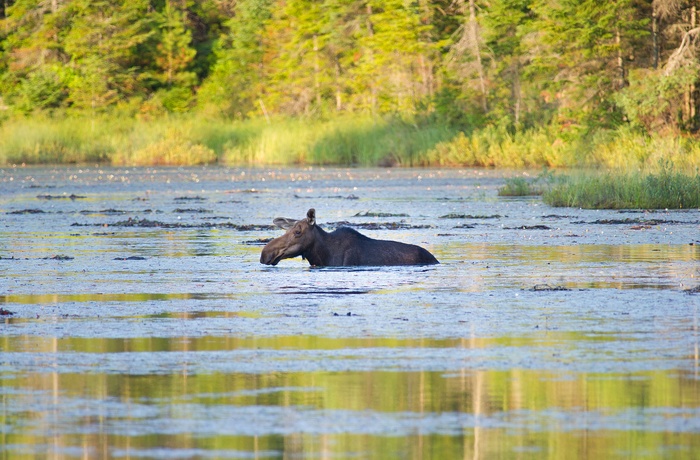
x: 664, y: 189
x: 351, y: 140
x: 188, y: 139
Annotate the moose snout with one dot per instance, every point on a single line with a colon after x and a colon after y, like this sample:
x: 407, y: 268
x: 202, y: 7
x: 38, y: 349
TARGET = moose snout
x: 267, y: 257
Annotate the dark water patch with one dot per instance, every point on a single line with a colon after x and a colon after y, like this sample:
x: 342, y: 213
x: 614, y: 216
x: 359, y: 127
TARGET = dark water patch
x: 379, y: 214
x: 332, y: 291
x: 130, y: 258
x: 470, y: 216
x: 192, y: 211
x: 376, y: 225
x: 27, y: 211
x: 695, y: 290
x: 4, y: 312
x: 190, y: 198
x: 465, y: 226
x: 345, y: 314
x: 61, y: 197
x: 201, y: 314
x: 10, y: 258
x: 108, y: 212
x: 147, y: 223
x: 529, y: 227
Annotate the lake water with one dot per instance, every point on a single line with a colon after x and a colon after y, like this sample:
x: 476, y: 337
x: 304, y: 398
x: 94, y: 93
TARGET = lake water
x: 137, y: 321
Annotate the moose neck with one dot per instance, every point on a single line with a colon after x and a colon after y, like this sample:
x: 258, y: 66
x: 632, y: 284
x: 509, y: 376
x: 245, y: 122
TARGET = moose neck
x: 318, y: 253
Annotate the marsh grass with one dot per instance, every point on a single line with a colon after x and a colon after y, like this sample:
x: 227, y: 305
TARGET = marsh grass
x: 187, y: 139
x: 663, y: 189
x: 519, y: 186
x: 497, y: 147
x: 361, y: 141
x: 351, y: 140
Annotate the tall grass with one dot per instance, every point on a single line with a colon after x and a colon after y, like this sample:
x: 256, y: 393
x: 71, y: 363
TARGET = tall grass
x: 349, y: 140
x: 664, y: 189
x: 362, y: 141
x: 497, y: 147
x: 188, y: 139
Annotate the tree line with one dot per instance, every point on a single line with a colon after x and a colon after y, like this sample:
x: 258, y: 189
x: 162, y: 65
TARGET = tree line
x: 520, y: 64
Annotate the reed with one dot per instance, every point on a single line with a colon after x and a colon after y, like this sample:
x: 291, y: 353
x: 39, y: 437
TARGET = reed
x: 351, y: 140
x: 664, y: 189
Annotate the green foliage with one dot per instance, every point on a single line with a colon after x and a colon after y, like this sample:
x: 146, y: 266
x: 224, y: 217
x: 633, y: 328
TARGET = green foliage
x: 498, y: 147
x: 527, y: 83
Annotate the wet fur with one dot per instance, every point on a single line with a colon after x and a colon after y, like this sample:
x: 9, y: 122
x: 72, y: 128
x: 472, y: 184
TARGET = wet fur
x: 343, y: 247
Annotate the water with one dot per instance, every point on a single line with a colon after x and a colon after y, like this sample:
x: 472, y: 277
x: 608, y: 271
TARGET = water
x: 144, y: 326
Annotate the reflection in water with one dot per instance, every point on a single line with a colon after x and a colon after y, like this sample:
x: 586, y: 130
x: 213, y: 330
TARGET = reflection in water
x: 380, y: 414
x: 174, y: 342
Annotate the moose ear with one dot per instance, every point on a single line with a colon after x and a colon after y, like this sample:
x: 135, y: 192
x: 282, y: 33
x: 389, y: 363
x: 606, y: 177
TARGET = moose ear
x: 311, y: 216
x: 284, y: 223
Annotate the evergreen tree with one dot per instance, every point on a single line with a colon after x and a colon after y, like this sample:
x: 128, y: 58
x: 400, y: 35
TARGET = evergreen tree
x: 586, y: 44
x: 174, y: 56
x: 103, y: 43
x: 236, y: 81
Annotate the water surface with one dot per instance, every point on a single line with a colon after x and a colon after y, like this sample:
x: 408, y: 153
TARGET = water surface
x: 144, y: 326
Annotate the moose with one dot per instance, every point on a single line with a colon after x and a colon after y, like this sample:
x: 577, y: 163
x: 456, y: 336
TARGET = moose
x: 342, y: 247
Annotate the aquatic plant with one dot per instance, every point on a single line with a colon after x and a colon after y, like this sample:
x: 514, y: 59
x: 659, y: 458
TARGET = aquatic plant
x: 665, y: 189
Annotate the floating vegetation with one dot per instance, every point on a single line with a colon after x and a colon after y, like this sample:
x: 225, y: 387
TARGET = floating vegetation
x: 632, y: 222
x: 547, y: 287
x: 192, y: 211
x: 104, y: 211
x: 379, y: 214
x: 61, y: 197
x: 529, y: 227
x: 147, y: 223
x: 58, y: 257
x: 376, y: 225
x: 26, y: 211
x: 469, y: 216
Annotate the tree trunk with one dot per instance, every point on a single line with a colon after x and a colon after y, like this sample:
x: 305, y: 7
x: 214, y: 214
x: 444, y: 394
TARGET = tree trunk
x: 317, y: 71
x: 621, y: 74
x: 692, y: 96
x: 373, y: 84
x: 473, y: 28
x: 655, y: 37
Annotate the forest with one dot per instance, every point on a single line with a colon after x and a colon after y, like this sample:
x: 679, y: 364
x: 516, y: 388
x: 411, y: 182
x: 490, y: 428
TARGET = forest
x: 482, y: 82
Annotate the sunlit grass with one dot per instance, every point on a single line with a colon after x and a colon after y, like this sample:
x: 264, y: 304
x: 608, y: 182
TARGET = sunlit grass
x: 188, y: 139
x: 350, y: 140
x: 664, y: 189
x: 519, y: 186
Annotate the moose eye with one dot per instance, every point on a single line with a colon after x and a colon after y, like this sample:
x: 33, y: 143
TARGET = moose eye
x: 297, y: 232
